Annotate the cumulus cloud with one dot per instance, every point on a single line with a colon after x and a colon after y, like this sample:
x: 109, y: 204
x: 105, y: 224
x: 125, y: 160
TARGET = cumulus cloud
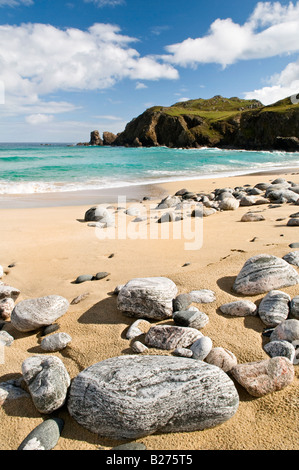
x: 280, y: 85
x: 15, y: 3
x: 271, y: 30
x: 36, y: 119
x: 39, y: 59
x: 104, y: 3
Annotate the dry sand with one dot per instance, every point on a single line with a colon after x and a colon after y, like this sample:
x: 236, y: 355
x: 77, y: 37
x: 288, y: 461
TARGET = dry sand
x: 52, y: 246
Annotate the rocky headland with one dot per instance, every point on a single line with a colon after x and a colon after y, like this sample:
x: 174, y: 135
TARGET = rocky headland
x: 217, y: 122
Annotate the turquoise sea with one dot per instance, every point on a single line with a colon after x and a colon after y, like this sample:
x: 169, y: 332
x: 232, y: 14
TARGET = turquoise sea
x: 42, y: 168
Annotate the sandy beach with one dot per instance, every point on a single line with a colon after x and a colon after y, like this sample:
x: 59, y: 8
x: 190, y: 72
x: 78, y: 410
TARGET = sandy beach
x: 51, y: 246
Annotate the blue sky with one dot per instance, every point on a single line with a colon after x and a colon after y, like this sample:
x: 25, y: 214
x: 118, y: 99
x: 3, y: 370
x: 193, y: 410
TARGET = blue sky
x: 68, y: 67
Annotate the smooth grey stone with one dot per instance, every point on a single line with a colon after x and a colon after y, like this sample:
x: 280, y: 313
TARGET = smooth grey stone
x: 203, y: 296
x: 294, y: 308
x: 229, y: 204
x: 262, y: 273
x: 6, y: 338
x: 167, y: 217
x: 293, y: 222
x: 252, y: 217
x: 162, y: 394
x: 55, y: 342
x: 50, y: 329
x: 262, y: 186
x: 247, y: 201
x: 190, y: 318
x: 45, y: 436
x: 274, y: 308
x: 100, y: 275
x: 32, y: 314
x: 171, y: 337
x: 295, y: 215
x: 239, y: 308
x: 201, y: 348
x: 8, y: 291
x: 294, y: 245
x: 133, y: 211
x: 287, y: 194
x: 182, y: 302
x: 47, y: 380
x: 169, y: 201
x: 280, y: 348
x: 150, y: 297
x: 287, y: 330
x: 134, y: 331
x: 292, y: 258
x: 139, y: 347
x: 83, y: 278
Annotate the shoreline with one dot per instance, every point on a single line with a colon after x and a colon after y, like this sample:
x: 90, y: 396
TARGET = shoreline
x: 132, y: 193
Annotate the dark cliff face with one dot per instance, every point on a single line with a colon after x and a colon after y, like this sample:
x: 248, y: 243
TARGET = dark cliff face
x: 218, y: 122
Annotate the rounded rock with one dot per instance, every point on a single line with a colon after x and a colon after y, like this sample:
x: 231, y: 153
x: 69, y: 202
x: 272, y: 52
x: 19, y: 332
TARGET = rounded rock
x: 45, y: 436
x: 274, y: 308
x: 201, y: 348
x: 222, y: 358
x: 239, y: 308
x: 280, y: 348
x: 56, y: 342
x: 162, y: 394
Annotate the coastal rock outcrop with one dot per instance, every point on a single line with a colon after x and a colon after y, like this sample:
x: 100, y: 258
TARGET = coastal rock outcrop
x: 154, y: 393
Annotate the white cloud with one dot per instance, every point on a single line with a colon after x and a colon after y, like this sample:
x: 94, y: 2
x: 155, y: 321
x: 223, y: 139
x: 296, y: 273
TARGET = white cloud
x: 37, y: 119
x: 140, y: 86
x: 271, y: 30
x: 39, y: 59
x: 104, y: 3
x: 15, y: 3
x: 280, y: 86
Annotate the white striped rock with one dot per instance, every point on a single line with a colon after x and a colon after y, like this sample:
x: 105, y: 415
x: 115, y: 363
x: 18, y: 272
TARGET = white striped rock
x: 171, y: 337
x: 292, y: 258
x: 150, y: 297
x: 47, y: 380
x: 32, y: 314
x: 263, y: 377
x: 239, y: 308
x: 274, y: 308
x: 162, y: 394
x: 262, y: 273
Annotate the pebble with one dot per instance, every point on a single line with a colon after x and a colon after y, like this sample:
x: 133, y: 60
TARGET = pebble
x: 182, y: 302
x: 280, y: 348
x: 49, y: 329
x: 293, y: 223
x: 45, y: 436
x: 6, y: 307
x: 100, y: 275
x: 79, y: 298
x: 47, y: 380
x: 294, y: 307
x: 203, y: 296
x: 294, y: 245
x: 5, y: 338
x: 239, y: 308
x: 201, y: 348
x: 139, y: 347
x: 287, y: 330
x: 171, y: 337
x: 222, y: 358
x: 292, y: 258
x: 274, y: 308
x: 8, y: 291
x: 32, y: 314
x: 147, y: 298
x: 83, y: 278
x: 252, y: 217
x: 264, y: 377
x: 55, y: 342
x: 191, y: 318
x: 183, y: 352
x: 229, y: 204
x: 134, y: 331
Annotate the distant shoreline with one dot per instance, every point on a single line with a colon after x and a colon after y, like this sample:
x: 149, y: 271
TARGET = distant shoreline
x: 132, y: 193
